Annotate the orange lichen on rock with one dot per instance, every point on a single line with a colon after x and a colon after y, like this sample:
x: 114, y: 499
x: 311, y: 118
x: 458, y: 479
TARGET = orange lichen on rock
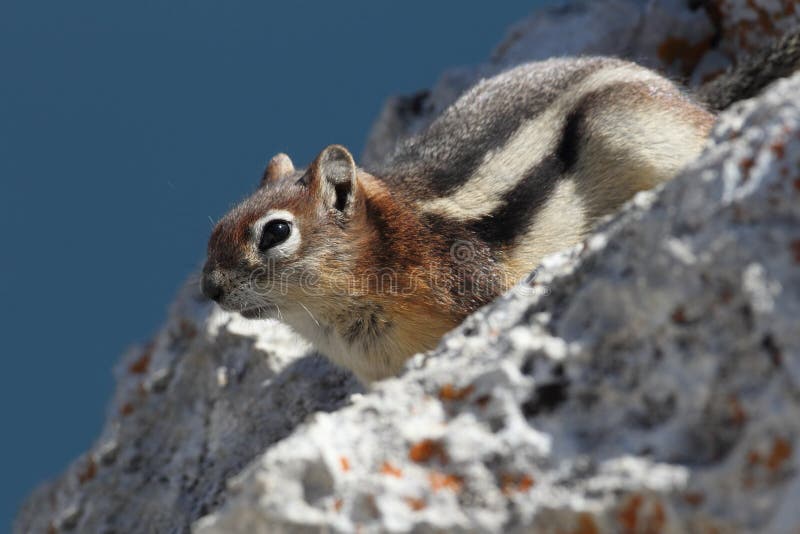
x: 629, y: 513
x: 586, y: 525
x: 415, y: 504
x: 762, y: 22
x: 440, y: 481
x: 186, y: 329
x: 426, y: 450
x: 88, y: 472
x: 483, y: 400
x: 639, y: 515
x: 515, y: 483
x: 778, y: 148
x: 390, y: 470
x: 679, y: 316
x: 738, y: 414
x: 694, y: 498
x: 140, y: 366
x: 525, y: 483
x: 450, y: 393
x: 337, y: 505
x: 795, y: 246
x: 344, y: 463
x: 781, y: 451
x: 658, y: 519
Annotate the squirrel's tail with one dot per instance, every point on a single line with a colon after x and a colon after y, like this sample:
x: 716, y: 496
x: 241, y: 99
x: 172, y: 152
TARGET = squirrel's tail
x: 755, y: 72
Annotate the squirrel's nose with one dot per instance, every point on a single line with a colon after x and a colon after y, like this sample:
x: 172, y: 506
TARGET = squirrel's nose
x: 211, y: 288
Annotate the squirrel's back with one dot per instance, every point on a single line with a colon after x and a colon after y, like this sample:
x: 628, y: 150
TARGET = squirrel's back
x: 527, y: 160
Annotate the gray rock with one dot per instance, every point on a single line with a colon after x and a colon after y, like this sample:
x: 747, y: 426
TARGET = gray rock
x: 646, y: 381
x: 191, y: 409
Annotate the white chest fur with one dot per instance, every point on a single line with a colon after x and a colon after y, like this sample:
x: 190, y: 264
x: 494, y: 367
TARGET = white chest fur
x: 367, y: 363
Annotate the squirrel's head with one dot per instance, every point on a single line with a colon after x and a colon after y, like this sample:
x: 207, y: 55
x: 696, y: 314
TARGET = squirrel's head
x: 282, y: 245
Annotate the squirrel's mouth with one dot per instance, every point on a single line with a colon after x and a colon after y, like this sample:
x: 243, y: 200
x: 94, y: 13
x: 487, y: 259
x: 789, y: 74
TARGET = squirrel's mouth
x: 260, y: 312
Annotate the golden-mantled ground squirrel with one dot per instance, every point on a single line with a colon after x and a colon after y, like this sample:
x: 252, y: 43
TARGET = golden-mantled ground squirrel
x: 374, y: 266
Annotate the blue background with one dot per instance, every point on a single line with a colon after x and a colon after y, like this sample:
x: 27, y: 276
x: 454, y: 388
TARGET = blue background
x: 124, y: 127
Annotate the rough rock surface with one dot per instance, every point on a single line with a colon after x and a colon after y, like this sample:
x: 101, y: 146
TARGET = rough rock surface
x: 191, y: 409
x: 647, y: 381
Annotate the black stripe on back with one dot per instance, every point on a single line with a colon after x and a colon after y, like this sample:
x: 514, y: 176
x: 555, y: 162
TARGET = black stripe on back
x: 438, y: 160
x: 568, y: 149
x: 519, y: 205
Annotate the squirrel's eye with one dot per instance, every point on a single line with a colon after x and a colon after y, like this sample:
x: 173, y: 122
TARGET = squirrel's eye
x: 275, y: 231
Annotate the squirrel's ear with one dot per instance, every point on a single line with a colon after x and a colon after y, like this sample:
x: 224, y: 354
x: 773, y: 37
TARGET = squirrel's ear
x: 279, y: 166
x: 335, y: 172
